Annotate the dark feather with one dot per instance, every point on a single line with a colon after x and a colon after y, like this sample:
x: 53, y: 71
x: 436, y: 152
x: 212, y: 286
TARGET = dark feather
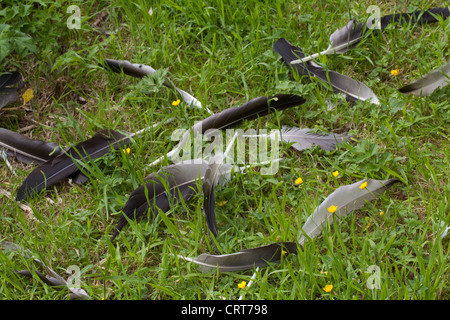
x: 10, y: 83
x: 354, y: 90
x: 25, y: 149
x: 416, y: 17
x: 63, y: 166
x: 180, y: 179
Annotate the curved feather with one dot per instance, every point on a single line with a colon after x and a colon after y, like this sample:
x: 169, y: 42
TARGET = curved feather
x: 245, y: 259
x: 63, y: 166
x: 178, y: 180
x: 354, y: 89
x: 345, y: 199
x: 430, y: 82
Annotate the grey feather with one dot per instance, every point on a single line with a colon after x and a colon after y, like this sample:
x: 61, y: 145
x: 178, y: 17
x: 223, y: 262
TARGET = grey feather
x: 346, y: 199
x: 304, y: 138
x: 430, y: 82
x: 245, y: 259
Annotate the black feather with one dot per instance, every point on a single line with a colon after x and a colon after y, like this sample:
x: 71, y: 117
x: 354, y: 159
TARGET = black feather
x: 25, y: 149
x: 10, y: 83
x: 178, y: 181
x: 63, y: 166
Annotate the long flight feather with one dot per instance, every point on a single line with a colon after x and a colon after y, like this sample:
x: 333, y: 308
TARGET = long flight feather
x: 245, y: 259
x: 63, y: 166
x: 341, y: 202
x: 430, y: 82
x: 354, y: 89
x: 234, y: 116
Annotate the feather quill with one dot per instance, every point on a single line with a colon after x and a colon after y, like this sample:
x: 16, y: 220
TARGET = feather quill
x: 141, y: 70
x: 351, y: 34
x: 429, y: 83
x: 234, y: 116
x: 179, y: 180
x: 245, y: 259
x: 10, y: 83
x: 65, y: 164
x: 345, y: 199
x: 353, y: 89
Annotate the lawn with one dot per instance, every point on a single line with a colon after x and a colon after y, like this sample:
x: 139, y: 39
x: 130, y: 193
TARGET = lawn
x: 393, y: 247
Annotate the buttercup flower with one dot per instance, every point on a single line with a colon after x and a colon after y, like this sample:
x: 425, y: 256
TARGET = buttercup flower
x: 328, y: 288
x: 126, y: 151
x: 299, y: 180
x: 381, y: 213
x: 335, y: 173
x: 242, y: 285
x: 222, y: 203
x: 395, y: 72
x: 332, y: 209
x: 177, y: 102
x: 363, y: 185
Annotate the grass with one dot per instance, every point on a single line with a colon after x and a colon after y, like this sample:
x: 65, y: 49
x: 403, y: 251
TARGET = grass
x: 222, y: 54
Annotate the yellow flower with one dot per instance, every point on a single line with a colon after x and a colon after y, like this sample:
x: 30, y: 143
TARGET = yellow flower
x: 27, y: 95
x: 283, y: 252
x: 363, y: 185
x: 395, y: 72
x: 175, y: 103
x: 126, y: 151
x: 222, y: 203
x: 242, y: 285
x: 381, y: 213
x: 299, y: 180
x: 328, y: 288
x: 332, y: 209
x: 335, y: 173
